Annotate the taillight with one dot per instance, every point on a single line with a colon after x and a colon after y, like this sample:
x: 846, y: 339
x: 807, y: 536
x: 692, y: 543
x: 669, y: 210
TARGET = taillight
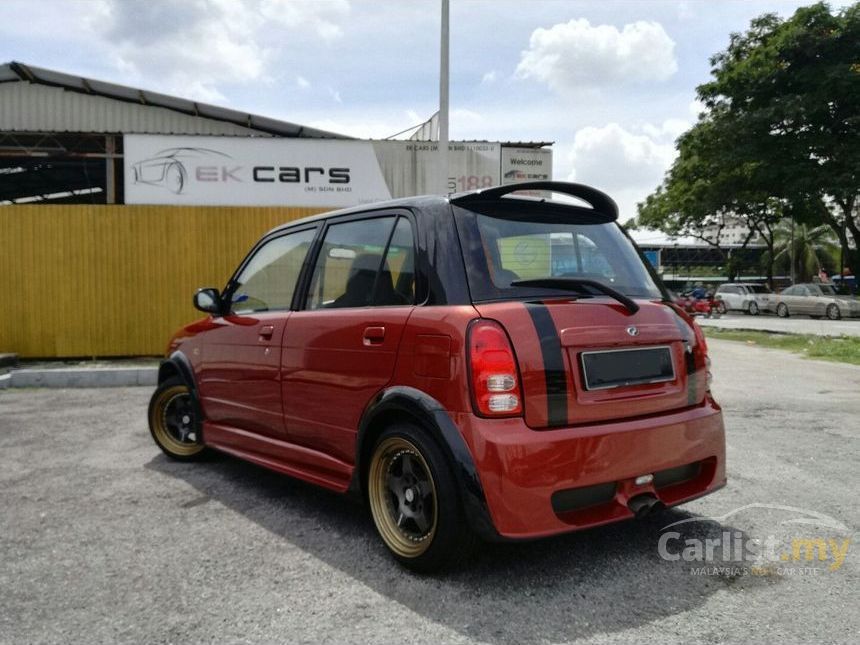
x: 493, y: 369
x: 702, y: 351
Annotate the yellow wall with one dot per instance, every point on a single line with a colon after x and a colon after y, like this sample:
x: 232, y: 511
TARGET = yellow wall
x: 79, y: 280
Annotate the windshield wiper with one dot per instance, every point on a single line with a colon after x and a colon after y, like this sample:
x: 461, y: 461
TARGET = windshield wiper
x: 577, y: 284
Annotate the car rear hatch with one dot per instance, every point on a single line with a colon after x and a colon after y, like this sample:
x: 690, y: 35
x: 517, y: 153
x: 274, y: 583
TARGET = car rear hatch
x: 594, y: 336
x: 591, y: 361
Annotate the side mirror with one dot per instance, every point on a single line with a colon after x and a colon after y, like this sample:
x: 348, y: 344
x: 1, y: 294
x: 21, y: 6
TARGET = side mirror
x: 208, y: 300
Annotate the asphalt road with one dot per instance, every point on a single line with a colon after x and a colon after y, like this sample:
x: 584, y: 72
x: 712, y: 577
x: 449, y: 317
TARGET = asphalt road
x: 103, y: 539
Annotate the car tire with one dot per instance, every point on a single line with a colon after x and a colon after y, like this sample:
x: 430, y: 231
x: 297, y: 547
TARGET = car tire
x: 782, y: 310
x: 753, y: 309
x: 415, y: 502
x: 833, y: 312
x: 175, y: 421
x: 721, y: 307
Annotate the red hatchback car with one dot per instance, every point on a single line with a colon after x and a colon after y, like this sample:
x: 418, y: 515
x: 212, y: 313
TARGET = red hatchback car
x: 487, y: 365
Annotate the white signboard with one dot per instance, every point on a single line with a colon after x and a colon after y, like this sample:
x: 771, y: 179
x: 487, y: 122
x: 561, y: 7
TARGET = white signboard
x: 201, y: 170
x: 526, y: 164
x: 242, y: 171
x: 411, y: 167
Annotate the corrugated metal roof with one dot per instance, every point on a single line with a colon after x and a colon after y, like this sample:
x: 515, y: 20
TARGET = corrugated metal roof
x: 43, y: 100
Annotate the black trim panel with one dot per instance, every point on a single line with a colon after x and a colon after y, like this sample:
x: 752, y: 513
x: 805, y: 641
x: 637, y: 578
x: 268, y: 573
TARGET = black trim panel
x: 553, y: 363
x: 179, y: 362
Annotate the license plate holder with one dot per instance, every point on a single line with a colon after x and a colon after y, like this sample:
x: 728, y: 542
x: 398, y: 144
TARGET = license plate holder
x: 613, y: 368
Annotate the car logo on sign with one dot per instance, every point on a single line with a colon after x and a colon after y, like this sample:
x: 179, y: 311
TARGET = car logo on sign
x: 633, y: 331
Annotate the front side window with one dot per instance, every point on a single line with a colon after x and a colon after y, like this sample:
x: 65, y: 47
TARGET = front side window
x: 364, y: 263
x: 268, y: 280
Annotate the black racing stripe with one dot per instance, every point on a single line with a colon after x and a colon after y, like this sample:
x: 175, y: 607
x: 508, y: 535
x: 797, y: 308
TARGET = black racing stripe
x: 553, y: 364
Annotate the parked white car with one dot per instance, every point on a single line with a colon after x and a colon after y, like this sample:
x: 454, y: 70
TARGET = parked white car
x: 816, y: 301
x: 752, y: 299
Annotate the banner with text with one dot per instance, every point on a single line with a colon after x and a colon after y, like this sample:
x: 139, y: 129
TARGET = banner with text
x: 202, y: 170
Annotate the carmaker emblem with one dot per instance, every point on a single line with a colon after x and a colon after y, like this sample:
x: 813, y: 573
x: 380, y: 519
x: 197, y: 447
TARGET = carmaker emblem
x: 633, y: 331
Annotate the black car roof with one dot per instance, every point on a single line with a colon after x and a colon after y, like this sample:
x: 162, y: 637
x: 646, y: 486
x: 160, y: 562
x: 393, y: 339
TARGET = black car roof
x: 603, y: 208
x: 420, y: 202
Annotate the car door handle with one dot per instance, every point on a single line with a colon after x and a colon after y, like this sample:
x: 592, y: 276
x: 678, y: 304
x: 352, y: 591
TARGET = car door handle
x: 266, y: 331
x: 374, y: 335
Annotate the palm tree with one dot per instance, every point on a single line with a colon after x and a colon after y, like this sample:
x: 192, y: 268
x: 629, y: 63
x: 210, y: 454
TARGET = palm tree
x: 813, y: 248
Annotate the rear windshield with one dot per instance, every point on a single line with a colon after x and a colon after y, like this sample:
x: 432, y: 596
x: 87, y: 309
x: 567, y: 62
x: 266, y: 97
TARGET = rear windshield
x: 501, y: 250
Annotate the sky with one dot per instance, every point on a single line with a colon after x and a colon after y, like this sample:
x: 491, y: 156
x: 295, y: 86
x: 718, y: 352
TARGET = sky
x: 611, y: 82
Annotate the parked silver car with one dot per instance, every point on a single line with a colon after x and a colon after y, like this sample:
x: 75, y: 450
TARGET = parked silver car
x: 817, y: 301
x: 741, y: 296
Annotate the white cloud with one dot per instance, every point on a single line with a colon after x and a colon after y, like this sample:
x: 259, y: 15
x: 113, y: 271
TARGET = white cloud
x: 465, y: 117
x: 302, y: 82
x: 191, y: 47
x: 625, y: 164
x: 696, y: 107
x: 570, y: 55
x: 323, y: 18
x: 670, y: 129
x: 489, y: 77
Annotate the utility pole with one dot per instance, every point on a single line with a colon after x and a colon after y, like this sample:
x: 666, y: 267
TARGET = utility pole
x: 443, y: 104
x: 792, y: 248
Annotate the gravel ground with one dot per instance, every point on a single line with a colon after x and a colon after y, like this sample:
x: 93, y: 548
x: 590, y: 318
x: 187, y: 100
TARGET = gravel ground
x: 102, y: 539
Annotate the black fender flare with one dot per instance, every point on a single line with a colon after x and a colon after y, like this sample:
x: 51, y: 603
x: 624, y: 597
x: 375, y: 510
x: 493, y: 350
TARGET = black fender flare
x: 178, y: 363
x: 432, y: 416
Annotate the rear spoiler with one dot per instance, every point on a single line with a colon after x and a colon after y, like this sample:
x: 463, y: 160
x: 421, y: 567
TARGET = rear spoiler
x: 603, y: 208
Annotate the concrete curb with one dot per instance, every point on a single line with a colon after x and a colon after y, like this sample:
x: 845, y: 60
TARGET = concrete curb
x: 81, y: 377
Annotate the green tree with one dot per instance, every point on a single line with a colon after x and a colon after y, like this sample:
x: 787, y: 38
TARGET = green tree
x: 780, y: 134
x: 810, y: 248
x: 711, y: 184
x: 794, y: 85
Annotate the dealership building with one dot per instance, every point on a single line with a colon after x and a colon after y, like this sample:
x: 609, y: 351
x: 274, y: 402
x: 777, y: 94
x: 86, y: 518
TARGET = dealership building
x: 69, y: 139
x: 117, y: 202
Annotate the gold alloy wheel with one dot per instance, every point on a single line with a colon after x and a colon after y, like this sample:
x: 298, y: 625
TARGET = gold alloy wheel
x: 402, y: 497
x: 172, y: 419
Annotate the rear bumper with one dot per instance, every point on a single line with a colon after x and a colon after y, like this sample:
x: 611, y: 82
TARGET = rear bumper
x: 540, y: 483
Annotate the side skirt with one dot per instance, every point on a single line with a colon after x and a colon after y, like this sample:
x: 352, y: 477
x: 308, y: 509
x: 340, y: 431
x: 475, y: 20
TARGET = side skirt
x: 281, y: 456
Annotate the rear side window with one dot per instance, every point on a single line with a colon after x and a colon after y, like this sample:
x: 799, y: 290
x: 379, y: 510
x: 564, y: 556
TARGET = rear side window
x: 364, y: 263
x: 268, y: 280
x: 400, y: 261
x: 501, y: 250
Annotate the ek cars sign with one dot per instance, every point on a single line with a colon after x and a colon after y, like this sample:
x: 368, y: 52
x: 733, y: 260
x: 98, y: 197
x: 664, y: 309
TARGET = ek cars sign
x: 244, y: 171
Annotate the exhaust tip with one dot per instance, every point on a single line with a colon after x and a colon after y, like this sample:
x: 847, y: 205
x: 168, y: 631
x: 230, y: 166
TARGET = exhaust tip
x: 643, y: 505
